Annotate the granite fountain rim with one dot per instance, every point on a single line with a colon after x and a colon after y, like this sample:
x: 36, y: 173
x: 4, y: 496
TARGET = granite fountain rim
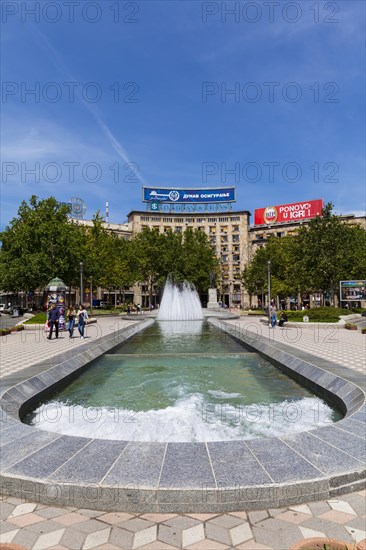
x: 183, y: 477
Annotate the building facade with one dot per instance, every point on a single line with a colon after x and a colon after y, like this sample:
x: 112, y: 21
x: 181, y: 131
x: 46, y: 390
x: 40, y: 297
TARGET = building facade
x: 231, y: 235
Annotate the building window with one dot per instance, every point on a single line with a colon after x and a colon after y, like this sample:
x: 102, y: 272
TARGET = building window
x: 236, y: 238
x: 224, y: 239
x: 178, y: 229
x: 236, y: 258
x: 167, y: 220
x: 212, y: 220
x: 235, y: 228
x: 213, y: 239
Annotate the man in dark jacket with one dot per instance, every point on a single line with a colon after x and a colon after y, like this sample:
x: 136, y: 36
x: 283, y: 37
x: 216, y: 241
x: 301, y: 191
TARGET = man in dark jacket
x: 53, y: 318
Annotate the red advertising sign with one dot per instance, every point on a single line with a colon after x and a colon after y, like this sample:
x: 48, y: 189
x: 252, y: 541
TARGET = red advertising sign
x: 296, y: 211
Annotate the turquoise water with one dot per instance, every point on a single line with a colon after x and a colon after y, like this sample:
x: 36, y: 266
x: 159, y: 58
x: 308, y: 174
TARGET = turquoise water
x: 182, y: 381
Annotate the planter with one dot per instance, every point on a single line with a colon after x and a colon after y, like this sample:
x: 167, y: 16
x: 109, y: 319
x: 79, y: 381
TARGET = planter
x: 363, y: 331
x: 326, y: 544
x: 350, y: 326
x: 5, y: 331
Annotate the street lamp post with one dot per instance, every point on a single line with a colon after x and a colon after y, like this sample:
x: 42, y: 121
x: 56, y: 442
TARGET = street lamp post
x: 269, y: 291
x: 81, y: 283
x: 91, y: 296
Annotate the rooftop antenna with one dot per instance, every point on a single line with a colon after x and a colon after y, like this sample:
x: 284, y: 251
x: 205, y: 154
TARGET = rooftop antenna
x: 107, y: 212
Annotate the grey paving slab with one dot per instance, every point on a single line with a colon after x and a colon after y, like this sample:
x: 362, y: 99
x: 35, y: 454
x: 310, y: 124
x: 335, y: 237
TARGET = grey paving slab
x: 282, y: 463
x: 360, y: 416
x: 353, y: 426
x: 277, y: 539
x: 139, y: 464
x: 17, y: 450
x: 92, y: 463
x: 44, y: 462
x: 345, y: 441
x: 186, y: 465
x: 17, y: 431
x: 323, y: 456
x: 234, y: 465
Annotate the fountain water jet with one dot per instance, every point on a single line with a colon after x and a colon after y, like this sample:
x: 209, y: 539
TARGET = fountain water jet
x: 180, y: 303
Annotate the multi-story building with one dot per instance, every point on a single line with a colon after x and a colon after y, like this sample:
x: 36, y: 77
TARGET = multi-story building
x: 228, y: 233
x: 235, y: 242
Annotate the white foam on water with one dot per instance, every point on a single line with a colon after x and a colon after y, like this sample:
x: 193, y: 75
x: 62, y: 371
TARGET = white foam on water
x: 180, y: 303
x: 190, y: 419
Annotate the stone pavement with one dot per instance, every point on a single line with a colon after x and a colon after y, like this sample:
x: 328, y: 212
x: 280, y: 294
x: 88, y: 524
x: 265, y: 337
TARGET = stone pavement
x: 330, y: 342
x: 26, y: 348
x: 38, y: 526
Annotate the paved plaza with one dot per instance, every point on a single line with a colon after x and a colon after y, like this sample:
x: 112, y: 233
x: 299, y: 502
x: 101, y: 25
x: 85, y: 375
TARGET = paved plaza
x: 38, y: 526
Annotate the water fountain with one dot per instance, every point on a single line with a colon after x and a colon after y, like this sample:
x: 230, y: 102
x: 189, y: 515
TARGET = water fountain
x: 180, y: 303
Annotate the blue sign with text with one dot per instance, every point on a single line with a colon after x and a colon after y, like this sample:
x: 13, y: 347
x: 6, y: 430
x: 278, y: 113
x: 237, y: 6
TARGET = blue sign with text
x: 177, y: 195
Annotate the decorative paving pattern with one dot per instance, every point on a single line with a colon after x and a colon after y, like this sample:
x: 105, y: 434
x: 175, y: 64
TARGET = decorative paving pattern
x: 24, y: 349
x: 40, y: 527
x: 330, y: 342
x: 196, y: 477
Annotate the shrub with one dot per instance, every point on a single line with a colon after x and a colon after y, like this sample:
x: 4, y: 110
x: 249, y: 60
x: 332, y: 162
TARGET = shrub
x: 363, y: 330
x: 18, y: 328
x: 319, y: 314
x: 5, y: 331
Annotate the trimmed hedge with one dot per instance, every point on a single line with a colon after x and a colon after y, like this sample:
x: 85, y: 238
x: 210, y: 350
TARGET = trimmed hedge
x: 319, y: 314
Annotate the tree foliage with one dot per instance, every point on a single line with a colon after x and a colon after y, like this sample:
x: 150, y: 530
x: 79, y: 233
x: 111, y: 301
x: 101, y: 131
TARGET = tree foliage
x: 43, y: 242
x: 39, y: 244
x: 322, y: 253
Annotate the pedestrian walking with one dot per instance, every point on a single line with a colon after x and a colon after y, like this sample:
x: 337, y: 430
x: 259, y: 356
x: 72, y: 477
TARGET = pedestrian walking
x: 71, y: 314
x: 53, y: 318
x: 82, y: 317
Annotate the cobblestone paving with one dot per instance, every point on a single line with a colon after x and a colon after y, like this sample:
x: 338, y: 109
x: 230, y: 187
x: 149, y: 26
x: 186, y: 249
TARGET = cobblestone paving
x: 37, y: 526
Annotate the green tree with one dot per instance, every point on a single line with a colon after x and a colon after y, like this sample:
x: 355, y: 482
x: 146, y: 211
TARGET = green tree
x: 330, y: 250
x: 39, y: 244
x: 147, y: 251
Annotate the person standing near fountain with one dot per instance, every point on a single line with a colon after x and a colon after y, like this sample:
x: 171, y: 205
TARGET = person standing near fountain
x: 273, y: 315
x: 82, y: 317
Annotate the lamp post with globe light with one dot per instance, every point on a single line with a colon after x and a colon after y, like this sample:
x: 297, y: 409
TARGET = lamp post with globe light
x: 81, y: 283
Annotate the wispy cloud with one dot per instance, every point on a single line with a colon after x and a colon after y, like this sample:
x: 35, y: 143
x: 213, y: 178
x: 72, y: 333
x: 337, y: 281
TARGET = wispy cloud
x: 61, y: 66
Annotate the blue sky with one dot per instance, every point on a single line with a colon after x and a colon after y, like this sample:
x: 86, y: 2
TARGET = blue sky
x: 171, y: 62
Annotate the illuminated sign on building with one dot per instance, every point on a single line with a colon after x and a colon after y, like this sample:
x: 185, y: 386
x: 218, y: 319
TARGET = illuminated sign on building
x: 351, y: 291
x: 184, y: 196
x: 296, y: 211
